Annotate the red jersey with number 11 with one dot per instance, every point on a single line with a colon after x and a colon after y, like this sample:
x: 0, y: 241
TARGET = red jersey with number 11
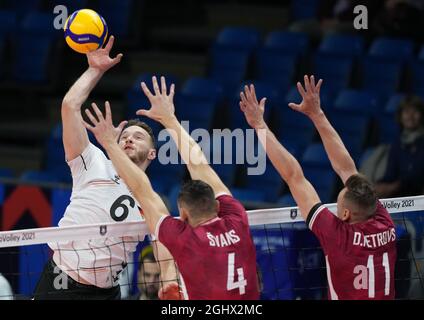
x: 360, y: 257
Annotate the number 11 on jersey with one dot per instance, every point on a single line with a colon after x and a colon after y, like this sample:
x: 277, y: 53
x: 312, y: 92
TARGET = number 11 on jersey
x: 242, y: 282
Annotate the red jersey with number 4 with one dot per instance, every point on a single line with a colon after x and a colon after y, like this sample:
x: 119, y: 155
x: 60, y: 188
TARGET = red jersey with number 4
x: 360, y: 257
x: 217, y: 259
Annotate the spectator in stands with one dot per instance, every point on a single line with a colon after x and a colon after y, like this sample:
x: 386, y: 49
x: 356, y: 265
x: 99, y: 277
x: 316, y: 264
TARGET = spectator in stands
x: 405, y: 168
x: 147, y: 276
x: 6, y: 292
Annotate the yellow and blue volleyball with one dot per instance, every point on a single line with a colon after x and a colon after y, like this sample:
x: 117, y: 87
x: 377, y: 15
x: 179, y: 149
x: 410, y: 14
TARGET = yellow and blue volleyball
x: 85, y: 31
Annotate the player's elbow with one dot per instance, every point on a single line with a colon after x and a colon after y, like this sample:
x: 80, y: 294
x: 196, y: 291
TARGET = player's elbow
x: 294, y: 176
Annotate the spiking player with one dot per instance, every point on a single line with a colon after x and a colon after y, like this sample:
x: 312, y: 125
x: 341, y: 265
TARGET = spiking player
x: 211, y: 243
x: 98, y: 196
x: 360, y: 242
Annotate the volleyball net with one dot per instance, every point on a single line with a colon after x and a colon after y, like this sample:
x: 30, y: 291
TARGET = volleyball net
x: 291, y: 264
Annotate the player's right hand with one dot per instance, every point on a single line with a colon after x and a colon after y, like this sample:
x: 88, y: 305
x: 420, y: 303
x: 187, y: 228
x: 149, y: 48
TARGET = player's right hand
x: 100, y: 59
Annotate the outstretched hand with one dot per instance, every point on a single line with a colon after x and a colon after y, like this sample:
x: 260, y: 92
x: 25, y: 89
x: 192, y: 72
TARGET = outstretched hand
x: 162, y: 104
x: 102, y: 127
x: 100, y: 59
x: 253, y: 111
x: 310, y: 104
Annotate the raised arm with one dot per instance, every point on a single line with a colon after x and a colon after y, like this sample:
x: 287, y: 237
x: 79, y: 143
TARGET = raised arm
x: 75, y: 138
x: 135, y: 178
x: 287, y: 166
x: 340, y: 159
x: 163, y: 111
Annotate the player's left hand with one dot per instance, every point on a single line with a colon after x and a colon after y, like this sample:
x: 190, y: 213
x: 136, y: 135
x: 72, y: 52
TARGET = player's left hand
x: 162, y: 104
x: 170, y: 291
x: 102, y: 126
x: 311, y: 104
x: 253, y: 110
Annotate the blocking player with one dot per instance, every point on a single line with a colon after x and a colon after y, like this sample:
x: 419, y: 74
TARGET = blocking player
x: 360, y: 242
x: 98, y: 196
x: 211, y: 243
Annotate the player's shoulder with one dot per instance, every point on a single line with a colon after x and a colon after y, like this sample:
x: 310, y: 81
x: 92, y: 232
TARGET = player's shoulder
x: 316, y: 210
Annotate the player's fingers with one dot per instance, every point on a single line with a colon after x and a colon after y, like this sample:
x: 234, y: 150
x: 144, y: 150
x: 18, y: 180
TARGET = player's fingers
x: 312, y: 80
x: 117, y: 59
x: 92, y: 118
x: 243, y: 98
x: 253, y: 92
x: 242, y: 106
x: 247, y: 93
x: 163, y: 85
x: 294, y: 106
x: 108, y: 111
x: 87, y: 126
x: 143, y: 112
x: 155, y: 85
x: 109, y: 44
x: 121, y: 126
x: 262, y: 103
x: 319, y: 86
x: 301, y: 90
x: 172, y: 91
x: 307, y: 84
x: 97, y: 111
x: 146, y: 90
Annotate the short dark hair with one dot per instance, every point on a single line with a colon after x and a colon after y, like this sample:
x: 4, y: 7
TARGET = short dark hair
x: 361, y: 193
x: 198, y: 197
x: 141, y: 124
x: 408, y: 102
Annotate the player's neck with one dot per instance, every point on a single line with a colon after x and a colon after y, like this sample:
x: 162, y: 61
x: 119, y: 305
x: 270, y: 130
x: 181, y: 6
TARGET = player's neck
x: 204, y: 220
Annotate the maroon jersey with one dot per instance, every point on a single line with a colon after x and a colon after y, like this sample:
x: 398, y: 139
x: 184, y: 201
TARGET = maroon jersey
x: 217, y: 259
x: 360, y: 257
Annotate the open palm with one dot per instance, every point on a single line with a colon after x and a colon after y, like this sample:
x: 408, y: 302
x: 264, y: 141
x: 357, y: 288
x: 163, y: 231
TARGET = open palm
x: 100, y: 59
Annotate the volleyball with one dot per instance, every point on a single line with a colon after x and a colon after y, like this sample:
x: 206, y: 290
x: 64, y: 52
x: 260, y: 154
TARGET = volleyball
x: 85, y: 31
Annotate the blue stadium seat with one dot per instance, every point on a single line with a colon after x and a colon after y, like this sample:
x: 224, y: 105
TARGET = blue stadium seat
x: 287, y: 42
x: 238, y: 38
x: 8, y: 22
x: 392, y: 49
x: 287, y: 201
x: 117, y: 15
x: 166, y: 175
x: 200, y: 114
x: 322, y: 180
x: 39, y: 24
x: 336, y: 71
x: 417, y: 74
x: 343, y: 45
x: 31, y: 58
x: 304, y: 9
x: 229, y: 67
x: 6, y: 173
x: 248, y: 195
x: 172, y: 199
x: 275, y: 67
x: 24, y: 6
x: 380, y: 76
x: 204, y: 89
x: 269, y: 182
x: 393, y: 103
x: 315, y: 155
x: 357, y: 102
x: 71, y: 5
x: 38, y: 177
x: 226, y: 172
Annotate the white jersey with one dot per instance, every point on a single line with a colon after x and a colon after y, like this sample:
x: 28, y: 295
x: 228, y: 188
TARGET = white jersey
x: 98, y: 196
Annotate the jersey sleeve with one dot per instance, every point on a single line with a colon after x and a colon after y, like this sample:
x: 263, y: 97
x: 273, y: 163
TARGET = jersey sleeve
x: 173, y: 233
x: 329, y: 229
x: 382, y: 214
x: 229, y: 206
x: 89, y: 157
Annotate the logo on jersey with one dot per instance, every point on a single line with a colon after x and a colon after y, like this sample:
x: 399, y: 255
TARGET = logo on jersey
x: 293, y: 213
x: 103, y: 230
x: 116, y: 179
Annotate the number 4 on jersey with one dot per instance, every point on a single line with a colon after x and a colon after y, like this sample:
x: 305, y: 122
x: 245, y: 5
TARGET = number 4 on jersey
x: 242, y: 282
